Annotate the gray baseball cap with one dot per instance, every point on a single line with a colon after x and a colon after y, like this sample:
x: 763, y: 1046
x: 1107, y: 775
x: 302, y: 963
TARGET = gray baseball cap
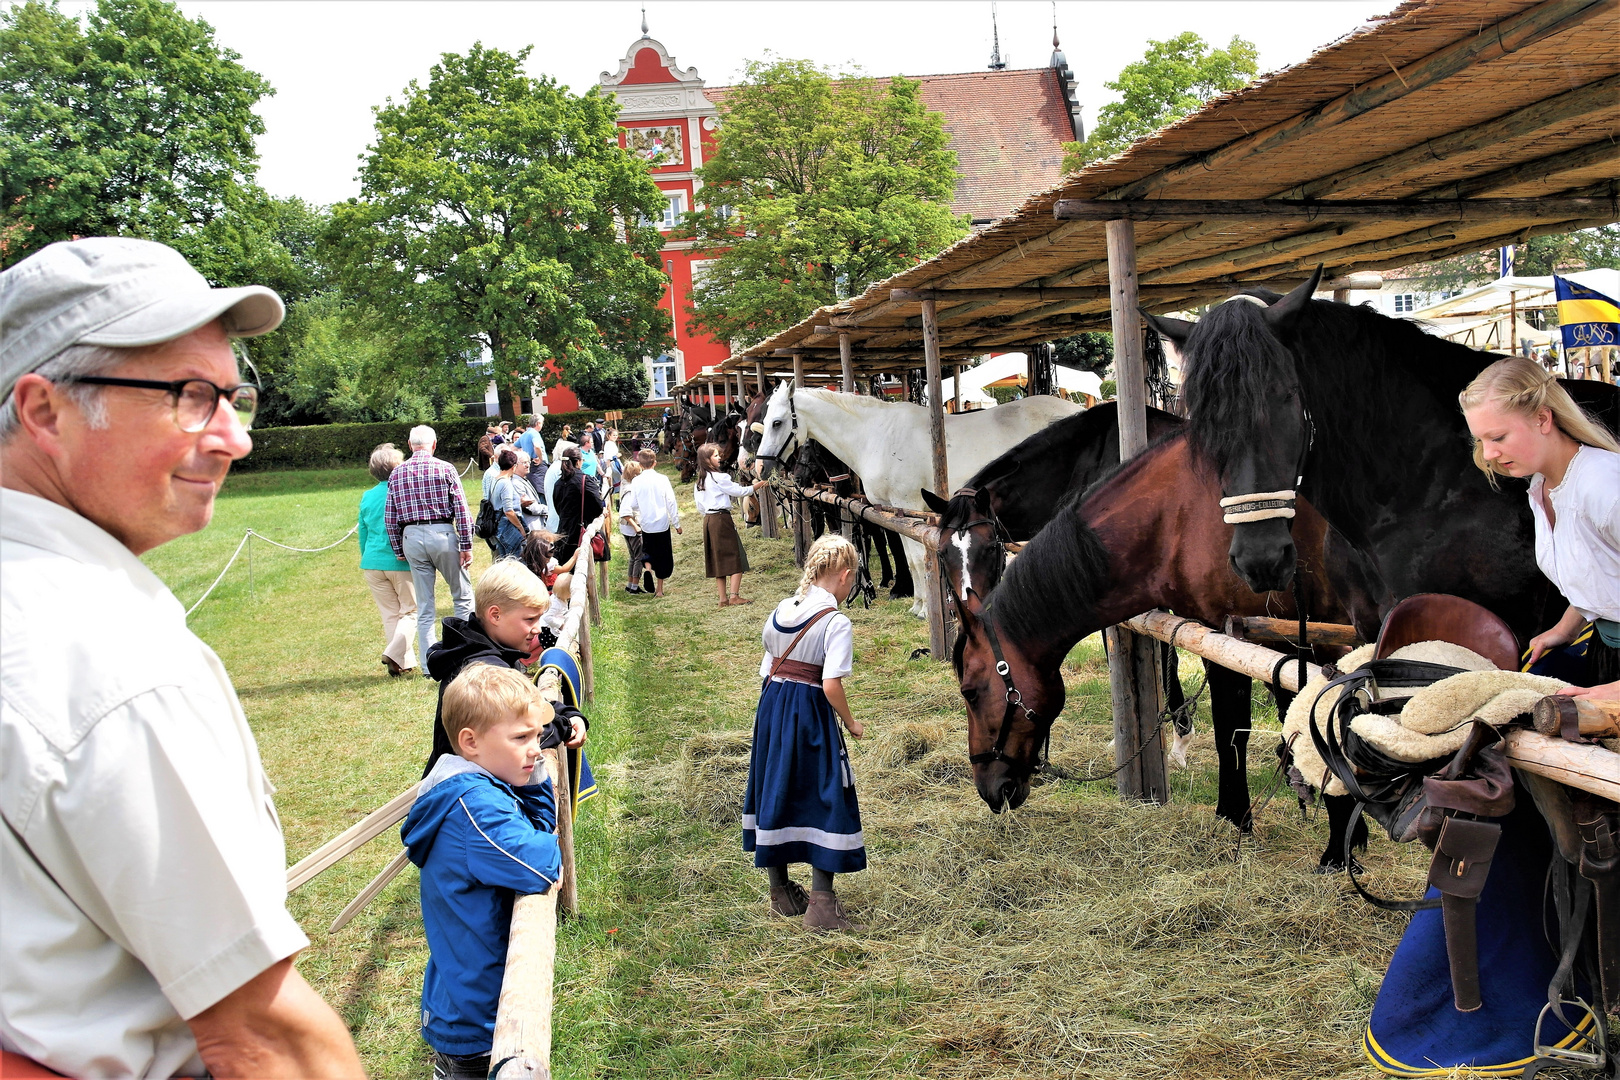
x: 114, y: 290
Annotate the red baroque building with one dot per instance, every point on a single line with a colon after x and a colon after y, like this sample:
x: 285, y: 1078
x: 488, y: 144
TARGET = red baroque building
x: 1007, y: 127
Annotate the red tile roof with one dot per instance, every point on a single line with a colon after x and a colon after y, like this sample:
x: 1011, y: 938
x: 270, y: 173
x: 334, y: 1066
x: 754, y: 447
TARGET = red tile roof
x: 1007, y: 128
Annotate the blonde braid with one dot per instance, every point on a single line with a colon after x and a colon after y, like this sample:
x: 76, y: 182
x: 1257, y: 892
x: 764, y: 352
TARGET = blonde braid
x: 831, y: 554
x: 1519, y: 385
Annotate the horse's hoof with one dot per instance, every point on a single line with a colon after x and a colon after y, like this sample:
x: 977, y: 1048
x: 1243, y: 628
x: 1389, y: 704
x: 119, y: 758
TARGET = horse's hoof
x: 1336, y: 866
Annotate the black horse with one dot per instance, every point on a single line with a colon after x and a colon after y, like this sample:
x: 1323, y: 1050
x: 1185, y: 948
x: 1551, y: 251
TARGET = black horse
x: 1358, y: 412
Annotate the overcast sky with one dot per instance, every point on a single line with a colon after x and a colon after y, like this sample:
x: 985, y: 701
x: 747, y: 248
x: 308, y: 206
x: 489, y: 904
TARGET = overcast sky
x: 332, y: 61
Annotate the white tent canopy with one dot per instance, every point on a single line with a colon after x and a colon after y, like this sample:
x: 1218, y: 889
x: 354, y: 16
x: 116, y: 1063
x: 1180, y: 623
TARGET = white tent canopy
x: 1499, y: 296
x: 1016, y: 365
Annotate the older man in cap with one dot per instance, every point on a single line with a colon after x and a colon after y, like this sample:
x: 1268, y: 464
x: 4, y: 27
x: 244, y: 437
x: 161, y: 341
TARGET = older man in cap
x: 143, y: 921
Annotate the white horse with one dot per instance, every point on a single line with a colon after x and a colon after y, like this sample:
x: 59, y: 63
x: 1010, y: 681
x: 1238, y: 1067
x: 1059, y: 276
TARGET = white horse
x: 888, y: 446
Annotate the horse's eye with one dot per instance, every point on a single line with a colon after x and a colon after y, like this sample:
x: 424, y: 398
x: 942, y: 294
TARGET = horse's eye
x: 970, y: 694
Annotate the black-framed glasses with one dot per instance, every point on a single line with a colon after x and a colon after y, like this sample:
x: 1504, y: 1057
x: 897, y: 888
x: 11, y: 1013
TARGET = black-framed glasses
x: 195, y: 400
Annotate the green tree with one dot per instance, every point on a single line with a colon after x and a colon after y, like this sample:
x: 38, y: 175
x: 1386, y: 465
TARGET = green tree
x: 340, y: 365
x: 1092, y: 352
x: 819, y: 186
x: 139, y: 124
x: 1172, y: 79
x: 1537, y: 257
x: 626, y: 388
x: 499, y: 211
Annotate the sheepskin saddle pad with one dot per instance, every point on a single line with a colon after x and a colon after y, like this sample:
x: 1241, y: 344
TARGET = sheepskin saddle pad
x: 1434, y: 721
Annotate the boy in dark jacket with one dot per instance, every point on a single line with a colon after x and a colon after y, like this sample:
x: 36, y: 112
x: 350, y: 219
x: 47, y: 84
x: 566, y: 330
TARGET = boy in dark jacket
x: 482, y: 830
x: 508, y: 604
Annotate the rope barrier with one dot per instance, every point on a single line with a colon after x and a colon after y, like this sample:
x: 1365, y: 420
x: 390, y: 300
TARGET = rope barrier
x: 307, y: 551
x: 247, y: 537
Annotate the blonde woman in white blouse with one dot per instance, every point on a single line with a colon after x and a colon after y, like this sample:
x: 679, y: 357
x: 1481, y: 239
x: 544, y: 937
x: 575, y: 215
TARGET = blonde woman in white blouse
x: 1526, y: 425
x: 723, y: 555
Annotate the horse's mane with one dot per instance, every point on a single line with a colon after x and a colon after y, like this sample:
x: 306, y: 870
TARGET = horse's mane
x: 1055, y: 580
x: 1354, y: 366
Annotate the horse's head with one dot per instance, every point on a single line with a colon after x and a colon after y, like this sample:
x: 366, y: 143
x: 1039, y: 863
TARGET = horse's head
x: 1250, y: 421
x: 752, y: 428
x: 1010, y: 706
x: 971, y: 557
x: 781, y: 433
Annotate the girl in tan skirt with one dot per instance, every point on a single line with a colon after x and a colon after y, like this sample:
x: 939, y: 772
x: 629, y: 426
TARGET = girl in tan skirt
x: 723, y: 556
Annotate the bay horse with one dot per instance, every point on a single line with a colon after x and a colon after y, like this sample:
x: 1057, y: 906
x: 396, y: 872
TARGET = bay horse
x: 1146, y: 536
x: 1357, y: 412
x: 888, y: 445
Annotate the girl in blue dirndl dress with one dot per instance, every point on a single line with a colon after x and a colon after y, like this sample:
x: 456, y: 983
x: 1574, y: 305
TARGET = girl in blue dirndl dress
x: 800, y: 804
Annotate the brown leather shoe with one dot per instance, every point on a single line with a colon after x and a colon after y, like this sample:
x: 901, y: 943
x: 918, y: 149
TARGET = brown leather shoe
x: 789, y: 901
x: 826, y: 914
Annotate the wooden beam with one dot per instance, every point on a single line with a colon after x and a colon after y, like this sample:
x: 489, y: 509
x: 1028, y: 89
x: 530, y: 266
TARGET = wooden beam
x: 798, y: 370
x: 1593, y: 98
x: 1286, y: 631
x: 1505, y: 37
x: 1127, y: 330
x: 847, y: 363
x: 351, y: 839
x: 1325, y: 210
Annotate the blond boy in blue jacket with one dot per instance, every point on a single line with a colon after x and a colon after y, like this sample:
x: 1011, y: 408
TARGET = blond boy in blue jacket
x: 482, y: 830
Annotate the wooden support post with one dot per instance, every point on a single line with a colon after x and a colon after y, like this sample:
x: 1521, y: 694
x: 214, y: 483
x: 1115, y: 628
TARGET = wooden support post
x: 956, y: 389
x: 523, y: 1015
x: 846, y: 362
x: 767, y: 514
x: 798, y: 371
x: 593, y: 595
x: 939, y: 645
x: 568, y: 887
x: 759, y: 375
x: 712, y: 412
x: 1134, y: 679
x: 587, y: 664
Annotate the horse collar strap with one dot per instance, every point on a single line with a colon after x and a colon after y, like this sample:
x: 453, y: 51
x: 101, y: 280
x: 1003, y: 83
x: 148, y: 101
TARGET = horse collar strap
x: 1259, y: 506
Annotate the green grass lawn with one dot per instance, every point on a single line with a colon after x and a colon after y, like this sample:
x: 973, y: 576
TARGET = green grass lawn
x: 1076, y: 937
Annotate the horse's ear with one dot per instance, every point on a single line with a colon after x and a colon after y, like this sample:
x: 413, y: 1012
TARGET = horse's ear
x: 1285, y: 311
x: 1176, y: 330
x: 934, y: 502
x: 981, y: 500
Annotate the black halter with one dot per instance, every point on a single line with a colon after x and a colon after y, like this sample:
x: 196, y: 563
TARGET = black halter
x: 1014, y: 700
x: 782, y: 452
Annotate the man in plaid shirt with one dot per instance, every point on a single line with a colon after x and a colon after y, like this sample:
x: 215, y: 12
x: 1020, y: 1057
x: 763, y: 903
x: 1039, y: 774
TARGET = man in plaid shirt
x: 428, y: 526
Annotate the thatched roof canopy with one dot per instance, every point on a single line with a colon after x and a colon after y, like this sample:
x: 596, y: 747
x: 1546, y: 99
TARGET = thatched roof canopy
x: 1438, y: 102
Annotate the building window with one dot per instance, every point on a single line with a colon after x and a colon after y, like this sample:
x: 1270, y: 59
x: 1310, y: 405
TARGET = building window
x: 1405, y: 302
x: 674, y: 207
x: 663, y: 376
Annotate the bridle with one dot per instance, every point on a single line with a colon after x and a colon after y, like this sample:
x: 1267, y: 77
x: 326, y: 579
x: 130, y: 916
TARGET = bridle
x: 782, y: 452
x: 1014, y: 702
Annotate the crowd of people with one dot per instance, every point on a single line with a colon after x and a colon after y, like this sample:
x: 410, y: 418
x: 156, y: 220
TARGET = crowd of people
x: 142, y: 867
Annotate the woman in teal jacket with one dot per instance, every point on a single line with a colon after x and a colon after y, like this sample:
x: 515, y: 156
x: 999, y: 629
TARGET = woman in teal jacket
x: 388, y: 576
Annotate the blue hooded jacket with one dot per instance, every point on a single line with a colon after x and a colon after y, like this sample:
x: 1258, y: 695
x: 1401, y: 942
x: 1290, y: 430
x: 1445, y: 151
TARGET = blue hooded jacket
x: 478, y: 842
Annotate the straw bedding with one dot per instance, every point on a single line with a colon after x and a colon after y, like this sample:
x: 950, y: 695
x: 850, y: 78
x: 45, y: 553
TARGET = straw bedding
x: 1076, y: 937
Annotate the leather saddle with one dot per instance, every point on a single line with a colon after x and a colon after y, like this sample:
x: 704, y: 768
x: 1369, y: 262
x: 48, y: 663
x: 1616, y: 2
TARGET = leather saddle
x: 1476, y: 785
x: 1441, y: 617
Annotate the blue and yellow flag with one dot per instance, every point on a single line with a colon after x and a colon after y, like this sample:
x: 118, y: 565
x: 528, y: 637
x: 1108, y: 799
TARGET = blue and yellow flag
x: 1587, y: 316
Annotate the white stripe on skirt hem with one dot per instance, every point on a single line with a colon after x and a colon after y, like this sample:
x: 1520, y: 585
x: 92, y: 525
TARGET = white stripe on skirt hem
x: 801, y: 835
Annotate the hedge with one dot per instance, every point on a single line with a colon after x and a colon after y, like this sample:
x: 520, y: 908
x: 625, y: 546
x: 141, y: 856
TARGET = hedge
x: 328, y: 446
